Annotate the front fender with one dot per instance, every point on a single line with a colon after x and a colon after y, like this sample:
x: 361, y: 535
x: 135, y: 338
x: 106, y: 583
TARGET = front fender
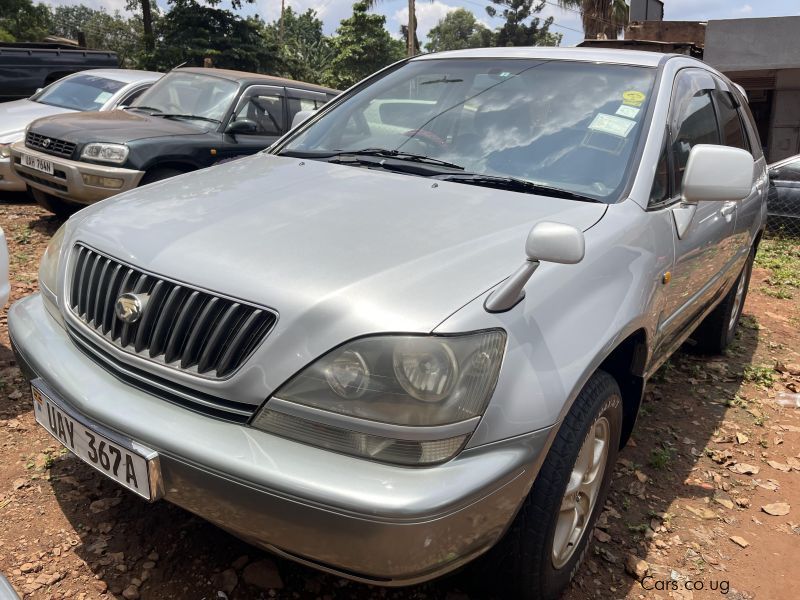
x: 571, y: 319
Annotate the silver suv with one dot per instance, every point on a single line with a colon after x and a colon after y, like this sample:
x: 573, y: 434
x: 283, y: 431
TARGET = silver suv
x: 420, y: 325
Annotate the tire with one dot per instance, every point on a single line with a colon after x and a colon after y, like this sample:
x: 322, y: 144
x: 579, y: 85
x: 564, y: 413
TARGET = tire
x: 57, y: 206
x: 718, y: 329
x: 157, y: 174
x: 535, y: 556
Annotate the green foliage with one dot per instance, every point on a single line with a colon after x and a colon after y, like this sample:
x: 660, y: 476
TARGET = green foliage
x: 118, y: 33
x: 306, y: 52
x: 762, y: 375
x: 191, y: 32
x: 24, y: 21
x: 361, y: 46
x: 459, y: 29
x: 782, y: 258
x: 520, y: 29
x: 660, y: 457
x: 600, y: 17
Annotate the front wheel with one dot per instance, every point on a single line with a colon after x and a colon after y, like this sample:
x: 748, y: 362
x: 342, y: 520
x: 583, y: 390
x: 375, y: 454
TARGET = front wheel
x: 551, y: 533
x: 54, y: 204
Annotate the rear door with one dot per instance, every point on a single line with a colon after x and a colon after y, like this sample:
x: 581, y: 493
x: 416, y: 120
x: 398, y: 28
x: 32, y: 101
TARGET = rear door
x: 784, y: 193
x: 704, y: 232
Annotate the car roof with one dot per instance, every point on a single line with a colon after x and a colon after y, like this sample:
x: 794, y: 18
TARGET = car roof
x: 614, y: 56
x: 244, y: 77
x: 123, y: 75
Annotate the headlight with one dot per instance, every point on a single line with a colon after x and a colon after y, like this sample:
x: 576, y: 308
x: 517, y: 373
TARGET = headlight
x: 113, y: 153
x: 5, y: 150
x: 401, y: 399
x: 48, y: 268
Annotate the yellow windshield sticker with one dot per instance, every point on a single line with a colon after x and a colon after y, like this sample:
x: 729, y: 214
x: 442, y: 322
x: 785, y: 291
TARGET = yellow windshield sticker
x: 633, y: 98
x: 612, y: 125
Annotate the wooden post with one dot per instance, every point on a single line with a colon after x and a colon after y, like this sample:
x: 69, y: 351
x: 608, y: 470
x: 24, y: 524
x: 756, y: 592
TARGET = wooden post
x: 412, y: 29
x: 281, y: 25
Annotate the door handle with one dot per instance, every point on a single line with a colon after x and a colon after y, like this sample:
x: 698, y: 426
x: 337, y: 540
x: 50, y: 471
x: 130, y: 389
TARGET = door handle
x: 728, y: 209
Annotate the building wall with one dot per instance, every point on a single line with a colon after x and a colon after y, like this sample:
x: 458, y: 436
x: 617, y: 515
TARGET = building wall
x: 785, y: 127
x: 752, y: 44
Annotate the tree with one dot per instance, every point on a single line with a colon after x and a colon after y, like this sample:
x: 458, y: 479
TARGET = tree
x: 361, y: 46
x: 193, y: 32
x: 412, y: 45
x: 515, y: 31
x: 101, y: 30
x: 306, y: 53
x: 600, y: 17
x: 458, y: 29
x: 24, y: 21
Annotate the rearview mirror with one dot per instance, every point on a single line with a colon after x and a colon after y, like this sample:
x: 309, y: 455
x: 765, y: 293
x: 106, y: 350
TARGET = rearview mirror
x: 242, y: 126
x: 300, y: 116
x: 548, y: 242
x: 717, y: 173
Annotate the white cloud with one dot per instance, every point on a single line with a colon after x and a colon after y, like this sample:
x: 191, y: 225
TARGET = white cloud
x: 745, y: 10
x: 111, y: 6
x: 428, y: 15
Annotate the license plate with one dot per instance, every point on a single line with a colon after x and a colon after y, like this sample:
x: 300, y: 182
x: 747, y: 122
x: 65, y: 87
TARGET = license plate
x: 128, y: 463
x: 38, y: 164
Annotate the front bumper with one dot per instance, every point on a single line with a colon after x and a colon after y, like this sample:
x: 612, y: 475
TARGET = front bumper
x: 362, y: 520
x: 67, y: 180
x: 9, y: 180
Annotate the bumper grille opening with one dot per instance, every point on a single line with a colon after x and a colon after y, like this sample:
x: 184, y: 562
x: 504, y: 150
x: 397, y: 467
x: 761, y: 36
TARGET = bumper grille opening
x: 184, y: 328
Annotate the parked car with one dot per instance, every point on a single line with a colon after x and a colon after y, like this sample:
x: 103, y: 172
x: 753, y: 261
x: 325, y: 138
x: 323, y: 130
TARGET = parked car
x: 191, y: 119
x: 5, y: 285
x: 26, y: 67
x: 407, y: 335
x: 784, y: 193
x: 6, y: 590
x: 95, y: 90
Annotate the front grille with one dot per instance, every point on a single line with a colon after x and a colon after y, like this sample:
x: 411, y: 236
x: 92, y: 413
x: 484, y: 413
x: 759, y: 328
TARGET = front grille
x: 49, y: 145
x: 181, y: 327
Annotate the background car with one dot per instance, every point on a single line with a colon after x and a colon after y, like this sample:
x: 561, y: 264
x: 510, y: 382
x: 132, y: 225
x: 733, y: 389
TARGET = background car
x: 784, y: 194
x: 192, y: 118
x: 97, y: 90
x: 5, y: 286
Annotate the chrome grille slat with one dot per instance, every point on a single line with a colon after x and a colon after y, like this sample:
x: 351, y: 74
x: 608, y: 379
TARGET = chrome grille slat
x: 54, y: 146
x: 182, y: 328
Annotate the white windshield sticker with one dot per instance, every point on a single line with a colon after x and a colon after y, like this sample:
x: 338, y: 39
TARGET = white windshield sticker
x: 628, y: 112
x: 103, y: 97
x: 612, y: 124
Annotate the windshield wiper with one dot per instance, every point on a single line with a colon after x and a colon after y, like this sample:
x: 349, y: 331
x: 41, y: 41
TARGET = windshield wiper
x: 343, y: 155
x: 514, y: 184
x: 178, y: 116
x: 145, y: 108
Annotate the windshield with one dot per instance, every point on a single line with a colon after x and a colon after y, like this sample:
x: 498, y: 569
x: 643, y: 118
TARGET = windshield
x: 562, y: 124
x: 80, y: 92
x: 189, y: 94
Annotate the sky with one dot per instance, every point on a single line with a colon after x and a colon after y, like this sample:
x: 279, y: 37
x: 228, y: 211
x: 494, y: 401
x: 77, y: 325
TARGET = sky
x: 566, y: 22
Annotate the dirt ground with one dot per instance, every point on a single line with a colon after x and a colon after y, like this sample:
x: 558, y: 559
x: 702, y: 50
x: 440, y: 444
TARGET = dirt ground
x: 705, y: 500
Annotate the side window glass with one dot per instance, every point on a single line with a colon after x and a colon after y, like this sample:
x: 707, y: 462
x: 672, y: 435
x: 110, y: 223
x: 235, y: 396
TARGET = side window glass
x: 788, y: 172
x: 732, y: 130
x: 693, y: 121
x: 659, y: 194
x: 298, y: 104
x: 266, y: 111
x: 127, y: 100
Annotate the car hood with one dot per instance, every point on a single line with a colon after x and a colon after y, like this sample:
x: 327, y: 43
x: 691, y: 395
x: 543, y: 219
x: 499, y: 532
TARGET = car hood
x: 333, y: 248
x: 114, y: 126
x: 15, y: 117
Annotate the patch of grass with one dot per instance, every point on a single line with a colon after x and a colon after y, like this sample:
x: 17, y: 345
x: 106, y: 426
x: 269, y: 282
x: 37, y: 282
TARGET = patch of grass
x: 761, y: 375
x: 23, y: 236
x: 660, y: 458
x: 638, y: 528
x: 781, y: 257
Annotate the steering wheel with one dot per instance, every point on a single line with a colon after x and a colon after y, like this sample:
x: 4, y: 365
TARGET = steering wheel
x: 426, y: 136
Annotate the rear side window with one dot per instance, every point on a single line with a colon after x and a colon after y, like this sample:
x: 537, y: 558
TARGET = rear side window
x: 733, y: 133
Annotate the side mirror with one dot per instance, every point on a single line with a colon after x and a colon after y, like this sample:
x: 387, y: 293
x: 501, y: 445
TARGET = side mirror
x: 548, y: 242
x: 300, y: 116
x: 717, y: 173
x: 38, y: 90
x: 245, y: 126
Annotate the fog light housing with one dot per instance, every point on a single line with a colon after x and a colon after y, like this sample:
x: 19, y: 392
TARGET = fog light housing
x: 113, y: 183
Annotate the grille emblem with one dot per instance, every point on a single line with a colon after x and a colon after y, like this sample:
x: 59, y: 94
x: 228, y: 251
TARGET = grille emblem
x: 129, y: 307
x: 46, y: 142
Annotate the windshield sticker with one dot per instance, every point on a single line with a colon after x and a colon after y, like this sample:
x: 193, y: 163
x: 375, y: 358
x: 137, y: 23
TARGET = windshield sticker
x: 633, y: 98
x: 629, y: 112
x: 103, y: 96
x: 612, y: 125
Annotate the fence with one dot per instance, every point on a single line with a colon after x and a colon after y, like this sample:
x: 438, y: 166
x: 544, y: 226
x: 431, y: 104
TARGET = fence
x: 783, y: 207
